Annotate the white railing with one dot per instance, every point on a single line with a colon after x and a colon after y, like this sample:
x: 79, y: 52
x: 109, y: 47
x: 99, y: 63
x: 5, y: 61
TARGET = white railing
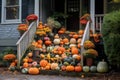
x: 25, y: 40
x: 85, y: 37
x: 98, y: 22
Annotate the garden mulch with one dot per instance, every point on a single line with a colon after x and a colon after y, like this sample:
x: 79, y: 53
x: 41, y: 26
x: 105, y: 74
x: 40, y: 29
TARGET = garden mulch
x: 5, y: 74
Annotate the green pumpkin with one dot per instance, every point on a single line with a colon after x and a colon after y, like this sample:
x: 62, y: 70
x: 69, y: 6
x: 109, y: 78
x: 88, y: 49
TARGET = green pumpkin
x: 86, y: 68
x: 93, y: 68
x: 50, y: 48
x: 102, y: 67
x: 24, y: 70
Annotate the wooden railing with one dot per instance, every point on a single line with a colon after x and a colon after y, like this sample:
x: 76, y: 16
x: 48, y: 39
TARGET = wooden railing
x: 25, y: 40
x: 98, y: 22
x: 84, y: 38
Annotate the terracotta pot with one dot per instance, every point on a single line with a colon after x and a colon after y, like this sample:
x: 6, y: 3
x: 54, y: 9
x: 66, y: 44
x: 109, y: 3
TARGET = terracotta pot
x: 89, y: 61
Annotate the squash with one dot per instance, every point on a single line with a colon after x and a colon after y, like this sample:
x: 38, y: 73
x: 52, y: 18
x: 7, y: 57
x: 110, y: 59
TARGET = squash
x: 78, y: 68
x: 93, y: 68
x: 70, y: 68
x: 24, y: 70
x: 30, y: 54
x: 74, y: 50
x: 48, y: 42
x: 56, y: 41
x: 54, y: 66
x: 86, y: 68
x: 34, y: 63
x: 73, y: 41
x: 33, y: 71
x: 43, y: 63
x: 25, y: 65
x: 102, y: 67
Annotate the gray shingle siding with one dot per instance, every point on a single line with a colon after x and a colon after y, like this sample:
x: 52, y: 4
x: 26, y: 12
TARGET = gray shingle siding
x: 0, y: 9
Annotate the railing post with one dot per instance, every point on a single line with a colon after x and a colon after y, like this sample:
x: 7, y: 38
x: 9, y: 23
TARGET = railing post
x: 18, y: 55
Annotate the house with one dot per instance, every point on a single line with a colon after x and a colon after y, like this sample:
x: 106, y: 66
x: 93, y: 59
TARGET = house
x: 14, y: 12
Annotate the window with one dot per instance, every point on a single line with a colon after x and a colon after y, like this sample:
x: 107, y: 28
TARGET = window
x: 11, y: 11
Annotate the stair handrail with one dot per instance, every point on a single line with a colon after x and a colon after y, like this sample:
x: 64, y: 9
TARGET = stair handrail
x: 25, y: 40
x: 84, y: 38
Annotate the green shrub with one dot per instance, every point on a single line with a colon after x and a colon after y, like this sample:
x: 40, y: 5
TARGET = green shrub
x: 111, y: 37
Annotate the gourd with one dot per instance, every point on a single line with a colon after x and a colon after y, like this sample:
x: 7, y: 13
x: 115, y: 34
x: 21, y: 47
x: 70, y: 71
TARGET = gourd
x: 86, y: 69
x: 33, y: 70
x: 102, y: 66
x: 93, y: 68
x: 24, y: 70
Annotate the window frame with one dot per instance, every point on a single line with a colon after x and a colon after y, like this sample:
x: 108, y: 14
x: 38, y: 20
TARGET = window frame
x: 3, y: 15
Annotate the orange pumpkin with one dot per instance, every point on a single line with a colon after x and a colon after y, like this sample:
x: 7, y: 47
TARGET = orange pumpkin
x: 25, y: 65
x: 78, y: 68
x: 70, y: 68
x: 63, y: 68
x: 33, y: 71
x: 43, y: 63
x: 74, y: 50
x: 48, y: 42
x: 75, y: 36
x: 40, y: 41
x: 30, y: 54
x: 81, y: 32
x: 65, y: 40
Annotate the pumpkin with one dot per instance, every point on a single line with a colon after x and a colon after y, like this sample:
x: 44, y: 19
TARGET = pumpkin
x: 63, y: 67
x: 75, y: 36
x: 30, y: 54
x: 24, y: 70
x: 86, y: 68
x: 81, y: 32
x: 102, y: 67
x: 33, y: 71
x: 93, y: 68
x: 73, y: 41
x: 56, y: 36
x: 43, y: 63
x: 40, y: 41
x: 70, y: 68
x: 61, y: 32
x: 62, y: 49
x: 30, y: 60
x: 74, y: 50
x: 54, y: 66
x: 48, y: 67
x: 48, y: 42
x: 56, y: 41
x: 25, y: 65
x: 65, y: 40
x: 78, y: 68
x: 50, y: 48
x: 83, y: 21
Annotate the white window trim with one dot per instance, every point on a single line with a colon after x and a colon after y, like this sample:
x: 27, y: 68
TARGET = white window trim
x: 4, y: 21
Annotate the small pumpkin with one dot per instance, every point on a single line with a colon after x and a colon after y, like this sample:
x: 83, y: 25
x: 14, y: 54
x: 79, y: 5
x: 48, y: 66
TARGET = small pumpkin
x: 86, y: 68
x: 56, y: 41
x: 33, y: 71
x: 73, y: 41
x: 54, y: 66
x: 74, y: 50
x: 30, y: 54
x: 93, y: 68
x: 48, y: 42
x: 70, y: 68
x: 25, y: 65
x: 78, y: 68
x: 24, y: 70
x: 43, y: 63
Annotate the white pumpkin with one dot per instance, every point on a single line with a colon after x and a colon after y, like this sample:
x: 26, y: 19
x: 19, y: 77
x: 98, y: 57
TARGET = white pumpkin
x: 56, y: 41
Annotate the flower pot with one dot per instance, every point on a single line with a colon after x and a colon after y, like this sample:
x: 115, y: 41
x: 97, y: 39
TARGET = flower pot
x: 89, y: 61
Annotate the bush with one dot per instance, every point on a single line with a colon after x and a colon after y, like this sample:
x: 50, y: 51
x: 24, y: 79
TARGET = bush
x: 111, y: 37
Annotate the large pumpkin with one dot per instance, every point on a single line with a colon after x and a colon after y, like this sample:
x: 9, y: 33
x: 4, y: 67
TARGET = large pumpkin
x: 102, y: 67
x: 33, y: 70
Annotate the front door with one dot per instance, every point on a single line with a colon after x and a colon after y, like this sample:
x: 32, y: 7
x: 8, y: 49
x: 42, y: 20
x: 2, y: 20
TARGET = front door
x: 73, y: 10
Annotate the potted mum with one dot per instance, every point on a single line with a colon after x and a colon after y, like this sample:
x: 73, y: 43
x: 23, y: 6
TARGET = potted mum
x: 30, y: 18
x: 90, y: 55
x: 22, y: 28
